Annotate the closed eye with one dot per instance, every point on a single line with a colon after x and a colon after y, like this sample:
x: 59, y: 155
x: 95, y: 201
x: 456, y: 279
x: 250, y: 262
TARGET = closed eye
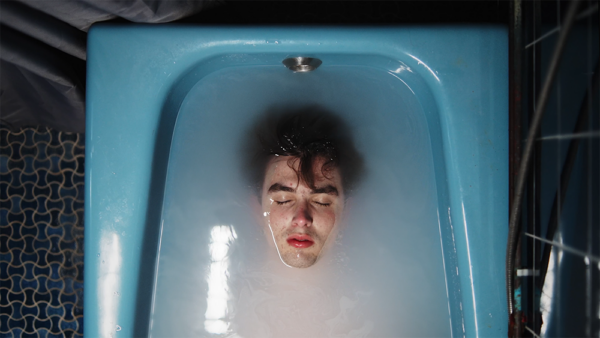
x: 323, y: 204
x: 283, y: 202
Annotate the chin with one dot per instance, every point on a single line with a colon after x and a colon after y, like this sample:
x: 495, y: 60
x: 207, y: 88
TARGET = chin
x: 301, y: 262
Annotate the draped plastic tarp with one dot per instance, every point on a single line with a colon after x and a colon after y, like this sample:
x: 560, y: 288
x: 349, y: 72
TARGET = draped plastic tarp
x: 43, y: 52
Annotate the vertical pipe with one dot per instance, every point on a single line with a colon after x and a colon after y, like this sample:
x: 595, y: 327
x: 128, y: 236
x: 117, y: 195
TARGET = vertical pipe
x: 588, y: 272
x: 515, y: 115
x: 515, y: 93
x: 535, y: 186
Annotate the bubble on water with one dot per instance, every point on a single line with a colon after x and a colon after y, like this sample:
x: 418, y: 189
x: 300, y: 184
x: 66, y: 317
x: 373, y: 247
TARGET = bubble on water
x: 118, y: 328
x: 98, y: 255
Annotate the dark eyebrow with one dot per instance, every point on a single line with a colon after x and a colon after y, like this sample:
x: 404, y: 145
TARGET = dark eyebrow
x: 280, y: 187
x: 328, y: 189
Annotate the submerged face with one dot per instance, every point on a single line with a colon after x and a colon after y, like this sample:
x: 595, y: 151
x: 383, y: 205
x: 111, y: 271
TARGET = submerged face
x: 299, y: 218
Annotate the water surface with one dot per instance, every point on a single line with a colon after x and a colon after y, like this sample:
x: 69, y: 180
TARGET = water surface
x: 217, y: 273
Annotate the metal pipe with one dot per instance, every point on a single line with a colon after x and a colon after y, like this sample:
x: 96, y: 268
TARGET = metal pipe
x: 515, y: 103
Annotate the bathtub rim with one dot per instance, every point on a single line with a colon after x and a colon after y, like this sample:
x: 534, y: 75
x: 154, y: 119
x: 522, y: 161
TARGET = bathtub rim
x: 387, y: 39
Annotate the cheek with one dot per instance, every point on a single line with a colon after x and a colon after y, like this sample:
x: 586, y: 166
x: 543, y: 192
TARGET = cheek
x: 278, y: 218
x: 325, y: 220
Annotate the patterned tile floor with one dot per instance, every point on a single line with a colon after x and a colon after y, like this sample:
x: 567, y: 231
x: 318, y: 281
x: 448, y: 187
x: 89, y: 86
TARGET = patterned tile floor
x: 41, y: 233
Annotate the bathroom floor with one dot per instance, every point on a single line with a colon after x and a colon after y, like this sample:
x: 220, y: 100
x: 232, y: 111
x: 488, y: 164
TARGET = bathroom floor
x: 41, y: 233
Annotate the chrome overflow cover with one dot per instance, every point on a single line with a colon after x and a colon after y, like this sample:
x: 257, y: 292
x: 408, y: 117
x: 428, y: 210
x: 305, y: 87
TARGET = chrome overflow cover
x: 302, y: 64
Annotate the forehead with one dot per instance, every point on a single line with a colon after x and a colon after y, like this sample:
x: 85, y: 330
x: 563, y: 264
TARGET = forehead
x: 285, y: 167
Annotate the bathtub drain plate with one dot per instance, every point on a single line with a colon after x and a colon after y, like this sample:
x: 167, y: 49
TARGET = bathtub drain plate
x: 302, y: 64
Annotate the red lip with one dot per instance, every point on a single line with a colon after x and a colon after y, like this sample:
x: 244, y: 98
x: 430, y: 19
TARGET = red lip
x: 300, y: 241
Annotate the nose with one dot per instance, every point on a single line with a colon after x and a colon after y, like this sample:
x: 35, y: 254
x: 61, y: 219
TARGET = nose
x: 302, y: 216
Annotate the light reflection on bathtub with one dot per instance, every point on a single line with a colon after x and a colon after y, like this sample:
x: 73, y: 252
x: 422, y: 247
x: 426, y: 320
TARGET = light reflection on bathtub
x: 109, y: 272
x: 218, y: 289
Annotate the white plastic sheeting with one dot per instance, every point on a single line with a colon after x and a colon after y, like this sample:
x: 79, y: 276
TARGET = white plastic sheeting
x: 43, y: 52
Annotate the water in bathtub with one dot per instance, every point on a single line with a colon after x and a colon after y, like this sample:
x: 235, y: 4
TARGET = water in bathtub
x: 383, y: 275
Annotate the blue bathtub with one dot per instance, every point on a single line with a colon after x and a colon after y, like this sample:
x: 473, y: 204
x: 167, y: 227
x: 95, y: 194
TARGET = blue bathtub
x: 140, y: 76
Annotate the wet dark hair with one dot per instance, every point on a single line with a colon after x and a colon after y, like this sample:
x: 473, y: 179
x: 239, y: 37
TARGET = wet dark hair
x: 305, y: 134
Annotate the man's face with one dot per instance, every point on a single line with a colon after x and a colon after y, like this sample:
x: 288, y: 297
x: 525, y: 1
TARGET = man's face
x: 299, y: 218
